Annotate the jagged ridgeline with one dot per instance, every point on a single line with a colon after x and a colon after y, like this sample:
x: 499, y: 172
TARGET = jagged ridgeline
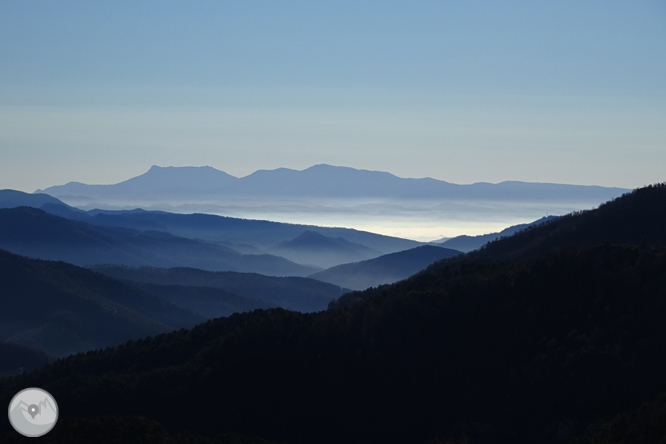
x: 541, y: 348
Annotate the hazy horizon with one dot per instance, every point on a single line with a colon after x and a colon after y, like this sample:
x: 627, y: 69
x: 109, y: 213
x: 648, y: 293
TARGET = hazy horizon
x: 462, y: 92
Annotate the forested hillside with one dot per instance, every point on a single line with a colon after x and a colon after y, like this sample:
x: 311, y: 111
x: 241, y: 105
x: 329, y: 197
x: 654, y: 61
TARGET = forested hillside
x: 534, y: 351
x: 639, y: 216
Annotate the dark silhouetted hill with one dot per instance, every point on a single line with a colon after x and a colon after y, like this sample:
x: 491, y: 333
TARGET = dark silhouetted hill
x: 62, y: 309
x: 384, y: 269
x: 634, y: 218
x: 643, y: 425
x: 293, y: 293
x: 538, y: 350
x: 639, y: 216
x: 37, y: 234
x: 313, y: 248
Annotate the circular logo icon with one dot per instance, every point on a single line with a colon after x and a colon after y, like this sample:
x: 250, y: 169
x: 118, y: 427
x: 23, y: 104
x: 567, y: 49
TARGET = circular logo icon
x: 33, y: 412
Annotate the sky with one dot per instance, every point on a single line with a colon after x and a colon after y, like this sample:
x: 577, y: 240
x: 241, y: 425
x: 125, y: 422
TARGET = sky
x: 475, y: 91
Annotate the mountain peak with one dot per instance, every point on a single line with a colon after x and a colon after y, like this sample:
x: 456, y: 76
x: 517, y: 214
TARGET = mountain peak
x: 162, y: 179
x: 157, y: 168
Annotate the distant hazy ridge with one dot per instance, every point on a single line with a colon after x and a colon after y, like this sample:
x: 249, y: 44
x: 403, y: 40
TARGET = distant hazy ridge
x: 324, y: 181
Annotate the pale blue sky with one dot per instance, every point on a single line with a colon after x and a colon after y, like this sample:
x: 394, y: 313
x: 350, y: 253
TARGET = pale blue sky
x: 566, y: 91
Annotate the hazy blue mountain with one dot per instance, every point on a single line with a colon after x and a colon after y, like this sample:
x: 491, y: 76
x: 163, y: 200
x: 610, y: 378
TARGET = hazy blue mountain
x: 293, y: 293
x: 232, y: 232
x: 158, y: 181
x: 35, y: 233
x: 384, y: 269
x: 329, y: 195
x: 469, y: 243
x: 344, y: 182
x: 313, y: 248
x: 13, y: 199
x: 241, y: 235
x: 322, y: 181
x: 62, y: 309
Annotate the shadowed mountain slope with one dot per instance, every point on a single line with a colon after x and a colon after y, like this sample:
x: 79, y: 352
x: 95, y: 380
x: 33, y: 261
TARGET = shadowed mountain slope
x: 384, y: 269
x: 293, y: 293
x: 644, y: 425
x: 37, y: 234
x: 532, y: 351
x: 636, y: 217
x: 313, y: 248
x: 639, y: 216
x: 63, y: 309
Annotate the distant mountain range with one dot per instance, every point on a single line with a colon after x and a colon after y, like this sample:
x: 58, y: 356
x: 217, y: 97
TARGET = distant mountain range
x: 385, y: 269
x: 328, y: 195
x: 320, y: 181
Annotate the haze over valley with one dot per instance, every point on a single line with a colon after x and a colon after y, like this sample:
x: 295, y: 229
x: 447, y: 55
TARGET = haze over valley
x: 380, y: 202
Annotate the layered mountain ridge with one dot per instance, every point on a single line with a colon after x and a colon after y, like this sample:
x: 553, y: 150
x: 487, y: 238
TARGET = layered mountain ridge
x: 537, y: 337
